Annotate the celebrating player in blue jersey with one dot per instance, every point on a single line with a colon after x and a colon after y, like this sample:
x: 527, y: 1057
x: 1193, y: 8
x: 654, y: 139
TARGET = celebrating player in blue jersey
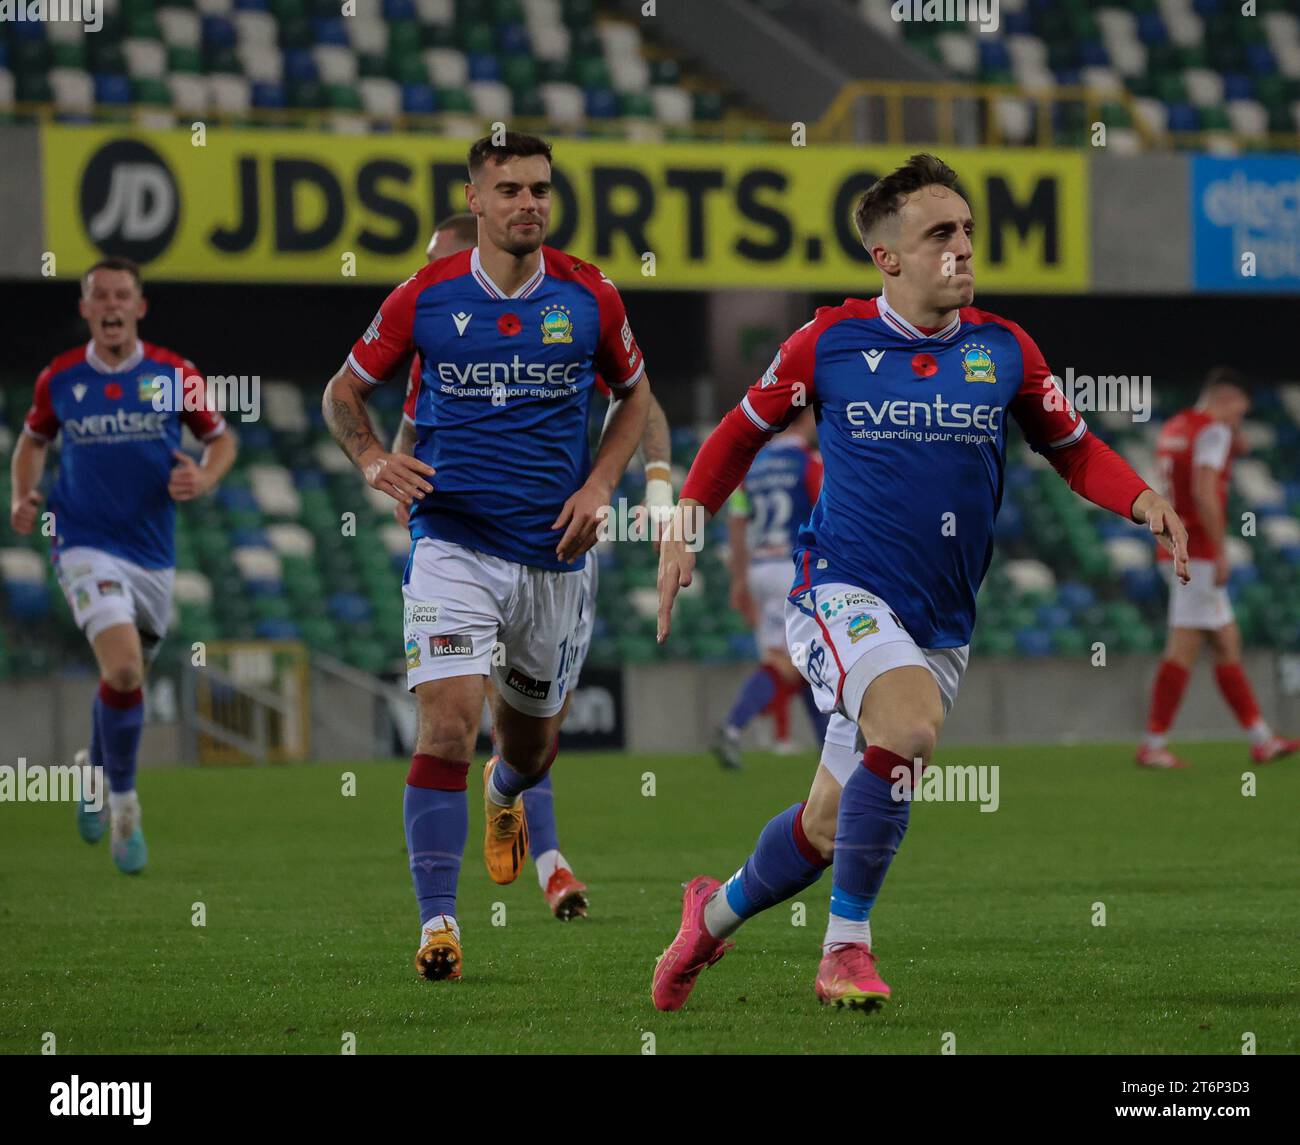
x: 506, y: 500
x: 767, y: 512
x: 114, y: 513
x: 911, y: 392
x: 564, y: 893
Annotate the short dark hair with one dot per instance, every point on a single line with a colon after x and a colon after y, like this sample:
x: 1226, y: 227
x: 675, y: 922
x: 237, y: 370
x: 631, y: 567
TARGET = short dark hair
x: 515, y: 145
x: 463, y: 225
x: 116, y: 262
x: 885, y: 197
x: 1224, y: 376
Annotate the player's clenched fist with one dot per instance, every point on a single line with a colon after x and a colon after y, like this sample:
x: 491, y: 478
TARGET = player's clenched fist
x: 22, y: 513
x: 676, y: 566
x: 399, y: 475
x: 187, y: 479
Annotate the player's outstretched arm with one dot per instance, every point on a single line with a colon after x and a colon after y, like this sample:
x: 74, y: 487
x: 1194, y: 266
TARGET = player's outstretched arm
x: 399, y: 475
x: 580, y: 516
x: 25, y: 469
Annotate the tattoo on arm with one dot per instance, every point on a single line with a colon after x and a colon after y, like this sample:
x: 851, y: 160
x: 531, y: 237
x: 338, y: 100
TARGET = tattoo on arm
x: 351, y: 427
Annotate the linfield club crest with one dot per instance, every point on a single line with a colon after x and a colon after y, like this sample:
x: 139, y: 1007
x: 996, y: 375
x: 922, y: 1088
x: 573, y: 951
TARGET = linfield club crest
x: 557, y: 326
x: 978, y: 363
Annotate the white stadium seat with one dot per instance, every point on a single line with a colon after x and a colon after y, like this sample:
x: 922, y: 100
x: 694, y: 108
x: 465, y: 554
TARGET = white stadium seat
x: 672, y: 105
x: 446, y: 67
x: 180, y: 27
x: 145, y: 59
x: 291, y: 540
x: 230, y: 94
x: 381, y: 97
x: 258, y: 563
x: 336, y: 65
x: 368, y: 35
x: 22, y: 566
x: 274, y: 491
x: 257, y: 28
x: 190, y: 95
x: 262, y: 62
x: 492, y: 100
x: 192, y: 587
x: 74, y: 90
x: 1028, y: 575
x: 441, y: 12
x: 564, y: 102
x: 1125, y: 553
x: 1204, y: 87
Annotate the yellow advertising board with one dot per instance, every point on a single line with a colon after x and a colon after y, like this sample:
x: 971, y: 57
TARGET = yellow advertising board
x: 294, y: 206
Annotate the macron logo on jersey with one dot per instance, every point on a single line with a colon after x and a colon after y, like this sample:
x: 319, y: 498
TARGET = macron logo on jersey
x: 461, y: 320
x: 874, y: 358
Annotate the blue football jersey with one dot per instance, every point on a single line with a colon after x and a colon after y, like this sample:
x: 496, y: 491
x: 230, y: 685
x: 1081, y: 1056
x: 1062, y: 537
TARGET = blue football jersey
x: 779, y: 492
x: 116, y: 460
x: 505, y: 387
x: 912, y: 429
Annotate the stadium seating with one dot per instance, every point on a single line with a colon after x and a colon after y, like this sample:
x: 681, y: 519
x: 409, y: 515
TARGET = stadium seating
x: 1199, y: 73
x: 367, y: 63
x: 294, y: 546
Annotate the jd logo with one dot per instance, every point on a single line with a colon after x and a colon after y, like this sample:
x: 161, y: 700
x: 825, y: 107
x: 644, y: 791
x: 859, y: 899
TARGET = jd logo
x: 129, y: 202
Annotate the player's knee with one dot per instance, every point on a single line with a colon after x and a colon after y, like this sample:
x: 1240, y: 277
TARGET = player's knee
x: 126, y: 677
x: 914, y: 739
x: 528, y: 758
x: 447, y: 732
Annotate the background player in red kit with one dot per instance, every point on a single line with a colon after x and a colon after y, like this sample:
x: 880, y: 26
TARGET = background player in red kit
x: 1195, y: 450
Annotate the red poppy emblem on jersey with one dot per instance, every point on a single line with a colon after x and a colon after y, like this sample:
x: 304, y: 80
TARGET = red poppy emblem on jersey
x: 112, y: 391
x: 925, y: 365
x: 509, y: 324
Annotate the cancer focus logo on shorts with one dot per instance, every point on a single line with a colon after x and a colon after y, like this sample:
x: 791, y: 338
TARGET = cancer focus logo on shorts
x: 130, y: 205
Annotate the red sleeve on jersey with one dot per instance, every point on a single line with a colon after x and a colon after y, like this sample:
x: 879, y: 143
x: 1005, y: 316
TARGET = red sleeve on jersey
x: 1040, y: 405
x: 812, y: 476
x: 786, y: 388
x: 387, y: 341
x: 723, y: 460
x: 42, y: 422
x: 1099, y: 474
x: 412, y: 389
x: 618, y: 358
x: 601, y: 388
x: 204, y: 423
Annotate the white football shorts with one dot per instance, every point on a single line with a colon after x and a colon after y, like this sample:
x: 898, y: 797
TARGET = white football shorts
x: 769, y: 584
x: 467, y: 613
x: 1200, y: 603
x: 842, y: 638
x: 104, y: 590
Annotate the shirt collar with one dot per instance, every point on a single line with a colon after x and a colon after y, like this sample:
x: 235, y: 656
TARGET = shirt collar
x: 494, y: 291
x: 133, y: 359
x: 902, y: 326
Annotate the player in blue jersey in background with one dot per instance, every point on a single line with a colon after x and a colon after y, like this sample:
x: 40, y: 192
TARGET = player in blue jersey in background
x: 565, y: 894
x: 766, y: 513
x: 911, y: 392
x: 505, y: 501
x: 113, y: 504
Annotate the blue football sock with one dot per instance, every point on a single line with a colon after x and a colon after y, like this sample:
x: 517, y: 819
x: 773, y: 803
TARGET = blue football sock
x: 509, y: 783
x: 539, y: 811
x: 754, y: 695
x: 783, y: 864
x: 819, y: 720
x: 437, y: 825
x: 119, y: 717
x: 871, y: 828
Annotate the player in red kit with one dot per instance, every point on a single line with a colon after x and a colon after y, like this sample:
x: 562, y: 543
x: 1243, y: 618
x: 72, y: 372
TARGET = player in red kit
x: 1195, y: 451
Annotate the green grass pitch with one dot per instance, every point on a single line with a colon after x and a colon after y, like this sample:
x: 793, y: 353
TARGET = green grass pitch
x: 984, y: 930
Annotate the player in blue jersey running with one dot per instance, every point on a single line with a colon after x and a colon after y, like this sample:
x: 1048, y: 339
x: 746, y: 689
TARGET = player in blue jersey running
x: 505, y: 501
x: 766, y: 513
x: 565, y: 894
x: 911, y: 392
x: 113, y: 506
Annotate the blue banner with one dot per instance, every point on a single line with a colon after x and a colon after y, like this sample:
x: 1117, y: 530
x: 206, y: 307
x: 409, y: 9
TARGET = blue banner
x: 1246, y: 223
